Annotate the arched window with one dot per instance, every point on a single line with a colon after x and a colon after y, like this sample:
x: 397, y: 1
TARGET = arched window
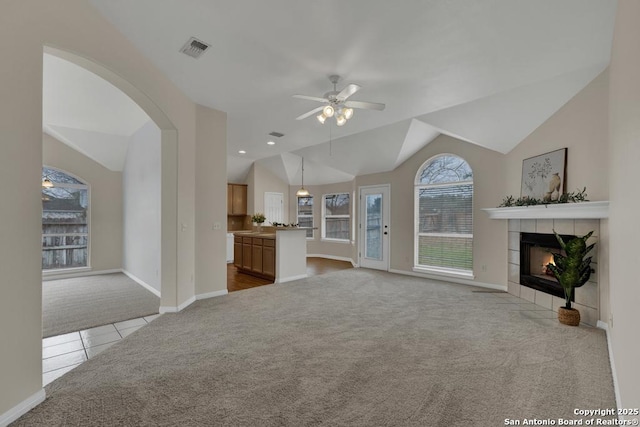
x: 444, y: 215
x: 65, y: 221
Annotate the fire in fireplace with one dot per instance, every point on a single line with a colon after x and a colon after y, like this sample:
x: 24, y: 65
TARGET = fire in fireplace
x: 535, y: 253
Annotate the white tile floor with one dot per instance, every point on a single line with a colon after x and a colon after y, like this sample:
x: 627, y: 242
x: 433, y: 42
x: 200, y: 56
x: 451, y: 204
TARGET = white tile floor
x: 62, y: 353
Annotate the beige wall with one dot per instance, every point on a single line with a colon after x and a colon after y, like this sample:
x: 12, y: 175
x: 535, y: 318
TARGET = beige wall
x: 75, y: 26
x: 316, y: 246
x: 624, y: 100
x: 211, y: 206
x: 106, y: 200
x: 489, y: 252
x: 581, y: 125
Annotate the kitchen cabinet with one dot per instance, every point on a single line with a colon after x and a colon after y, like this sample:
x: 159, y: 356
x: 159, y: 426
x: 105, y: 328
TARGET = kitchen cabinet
x: 279, y: 255
x: 236, y: 199
x: 255, y: 254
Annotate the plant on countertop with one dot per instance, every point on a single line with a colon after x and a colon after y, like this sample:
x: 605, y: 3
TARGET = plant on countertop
x: 573, y: 269
x: 258, y: 218
x: 573, y: 197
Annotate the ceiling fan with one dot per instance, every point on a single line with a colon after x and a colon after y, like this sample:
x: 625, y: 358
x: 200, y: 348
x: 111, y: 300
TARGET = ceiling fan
x: 337, y: 103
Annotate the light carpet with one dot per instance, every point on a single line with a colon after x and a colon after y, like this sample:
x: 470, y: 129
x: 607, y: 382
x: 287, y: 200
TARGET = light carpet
x: 80, y: 303
x: 350, y: 348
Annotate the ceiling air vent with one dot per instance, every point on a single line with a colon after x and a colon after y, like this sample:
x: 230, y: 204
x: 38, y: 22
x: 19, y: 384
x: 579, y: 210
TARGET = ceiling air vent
x: 194, y: 47
x: 277, y: 134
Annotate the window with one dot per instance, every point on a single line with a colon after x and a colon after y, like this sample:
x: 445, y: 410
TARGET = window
x: 336, y: 218
x: 65, y: 221
x: 444, y: 220
x: 305, y: 214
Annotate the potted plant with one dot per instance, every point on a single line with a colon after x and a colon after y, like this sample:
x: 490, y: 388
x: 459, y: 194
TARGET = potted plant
x: 258, y: 218
x: 572, y: 271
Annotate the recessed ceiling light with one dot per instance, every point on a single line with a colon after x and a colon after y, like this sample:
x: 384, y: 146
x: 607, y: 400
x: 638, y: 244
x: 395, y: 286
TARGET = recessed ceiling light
x: 271, y: 143
x: 242, y: 152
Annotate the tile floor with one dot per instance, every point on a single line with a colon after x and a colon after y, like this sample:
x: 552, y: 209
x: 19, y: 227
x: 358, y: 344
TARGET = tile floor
x: 62, y: 353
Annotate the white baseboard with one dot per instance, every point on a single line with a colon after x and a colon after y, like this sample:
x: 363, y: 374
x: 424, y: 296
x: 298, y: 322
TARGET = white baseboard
x: 70, y: 274
x: 212, y: 294
x: 291, y: 278
x: 142, y: 283
x: 616, y: 389
x: 451, y: 279
x: 187, y: 303
x: 337, y: 258
x: 22, y: 408
x: 173, y: 309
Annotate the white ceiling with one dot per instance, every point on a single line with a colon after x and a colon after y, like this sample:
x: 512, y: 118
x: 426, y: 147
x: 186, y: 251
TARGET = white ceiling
x: 88, y: 113
x: 489, y: 72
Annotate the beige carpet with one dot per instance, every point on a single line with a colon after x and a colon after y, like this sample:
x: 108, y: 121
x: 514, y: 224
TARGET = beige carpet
x: 351, y: 348
x: 79, y: 303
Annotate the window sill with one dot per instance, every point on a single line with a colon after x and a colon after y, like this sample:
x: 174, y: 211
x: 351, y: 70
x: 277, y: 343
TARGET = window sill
x: 59, y: 271
x: 445, y: 272
x: 343, y: 241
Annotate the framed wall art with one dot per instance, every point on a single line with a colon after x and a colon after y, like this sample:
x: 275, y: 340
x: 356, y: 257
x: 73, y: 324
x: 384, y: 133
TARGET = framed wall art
x: 544, y: 176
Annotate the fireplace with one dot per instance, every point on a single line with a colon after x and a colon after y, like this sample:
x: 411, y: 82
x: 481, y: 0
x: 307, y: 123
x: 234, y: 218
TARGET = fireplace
x: 535, y: 253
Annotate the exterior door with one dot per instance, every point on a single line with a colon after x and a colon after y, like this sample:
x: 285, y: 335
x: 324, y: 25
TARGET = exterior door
x: 374, y: 227
x: 273, y: 209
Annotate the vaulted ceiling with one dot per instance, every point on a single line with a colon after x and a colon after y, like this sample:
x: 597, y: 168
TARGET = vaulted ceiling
x: 488, y: 72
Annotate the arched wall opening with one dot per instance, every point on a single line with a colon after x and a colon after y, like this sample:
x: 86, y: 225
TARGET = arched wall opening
x: 168, y: 167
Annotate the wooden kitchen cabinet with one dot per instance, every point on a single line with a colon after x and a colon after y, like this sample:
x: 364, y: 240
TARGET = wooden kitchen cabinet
x: 255, y: 255
x: 236, y: 199
x: 269, y: 257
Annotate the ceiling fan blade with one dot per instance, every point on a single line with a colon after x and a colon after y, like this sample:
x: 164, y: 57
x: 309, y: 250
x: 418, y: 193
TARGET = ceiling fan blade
x: 347, y: 92
x: 365, y: 105
x: 311, y: 98
x: 309, y: 113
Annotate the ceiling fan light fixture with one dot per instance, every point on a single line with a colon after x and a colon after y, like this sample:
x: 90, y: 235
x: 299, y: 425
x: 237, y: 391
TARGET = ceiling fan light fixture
x: 321, y: 118
x: 347, y: 113
x: 328, y: 111
x: 341, y: 120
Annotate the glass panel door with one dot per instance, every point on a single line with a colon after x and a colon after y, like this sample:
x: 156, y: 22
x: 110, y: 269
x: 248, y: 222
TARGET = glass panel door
x: 374, y: 227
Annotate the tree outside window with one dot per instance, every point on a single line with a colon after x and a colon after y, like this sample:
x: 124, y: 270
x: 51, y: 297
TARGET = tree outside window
x: 65, y: 221
x: 305, y: 214
x: 336, y: 216
x: 444, y: 214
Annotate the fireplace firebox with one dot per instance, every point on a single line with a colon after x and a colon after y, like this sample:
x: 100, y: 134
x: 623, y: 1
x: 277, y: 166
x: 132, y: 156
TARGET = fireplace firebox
x: 535, y: 253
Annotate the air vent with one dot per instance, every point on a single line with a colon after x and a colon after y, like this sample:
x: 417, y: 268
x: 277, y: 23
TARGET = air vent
x: 277, y: 134
x: 194, y: 47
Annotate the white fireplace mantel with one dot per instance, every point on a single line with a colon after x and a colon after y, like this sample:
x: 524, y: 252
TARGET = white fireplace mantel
x: 582, y: 210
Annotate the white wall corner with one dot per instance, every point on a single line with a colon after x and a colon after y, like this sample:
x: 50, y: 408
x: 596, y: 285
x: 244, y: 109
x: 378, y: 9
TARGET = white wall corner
x: 605, y: 326
x: 173, y: 309
x: 142, y: 283
x: 22, y: 408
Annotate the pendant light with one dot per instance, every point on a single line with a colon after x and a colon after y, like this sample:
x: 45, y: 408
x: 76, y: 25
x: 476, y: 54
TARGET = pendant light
x: 302, y: 192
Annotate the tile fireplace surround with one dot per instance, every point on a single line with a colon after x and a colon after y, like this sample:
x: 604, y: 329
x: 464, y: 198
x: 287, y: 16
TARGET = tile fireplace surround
x: 587, y: 297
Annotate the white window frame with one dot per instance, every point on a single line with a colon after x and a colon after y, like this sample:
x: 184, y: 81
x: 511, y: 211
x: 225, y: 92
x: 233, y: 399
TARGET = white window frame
x: 444, y: 271
x: 85, y: 186
x: 324, y: 218
x: 298, y: 216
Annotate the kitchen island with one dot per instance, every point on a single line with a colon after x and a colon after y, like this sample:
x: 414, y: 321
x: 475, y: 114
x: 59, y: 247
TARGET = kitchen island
x: 276, y: 253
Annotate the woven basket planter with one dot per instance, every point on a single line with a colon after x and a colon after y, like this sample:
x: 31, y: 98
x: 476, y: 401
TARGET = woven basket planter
x: 569, y: 316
